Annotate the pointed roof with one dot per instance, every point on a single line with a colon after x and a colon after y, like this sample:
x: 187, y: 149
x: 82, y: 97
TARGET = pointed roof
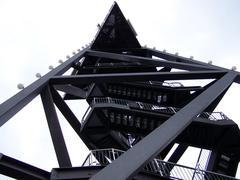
x: 116, y: 32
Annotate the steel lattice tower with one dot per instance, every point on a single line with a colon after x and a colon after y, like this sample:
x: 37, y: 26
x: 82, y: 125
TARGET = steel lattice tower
x: 136, y: 111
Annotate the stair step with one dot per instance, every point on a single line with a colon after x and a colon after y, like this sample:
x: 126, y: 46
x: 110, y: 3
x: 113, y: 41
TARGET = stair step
x: 138, y: 122
x: 225, y: 158
x: 151, y: 125
x: 144, y: 123
x: 223, y: 165
x: 125, y: 120
x: 112, y: 118
x: 133, y: 121
x: 118, y: 119
x: 130, y: 121
x: 148, y: 94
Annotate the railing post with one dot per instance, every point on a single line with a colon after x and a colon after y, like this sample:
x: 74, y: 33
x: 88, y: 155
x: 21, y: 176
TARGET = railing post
x: 113, y: 154
x: 89, y: 158
x: 197, y: 164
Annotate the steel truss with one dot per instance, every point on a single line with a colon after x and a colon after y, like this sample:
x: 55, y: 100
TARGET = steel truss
x: 128, y: 165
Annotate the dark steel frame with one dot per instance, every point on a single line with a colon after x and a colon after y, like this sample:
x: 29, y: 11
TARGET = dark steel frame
x: 131, y: 162
x: 151, y: 145
x: 156, y: 141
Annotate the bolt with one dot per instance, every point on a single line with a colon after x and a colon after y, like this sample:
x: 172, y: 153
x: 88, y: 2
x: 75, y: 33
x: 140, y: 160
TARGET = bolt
x: 38, y: 75
x: 20, y: 86
x: 51, y: 67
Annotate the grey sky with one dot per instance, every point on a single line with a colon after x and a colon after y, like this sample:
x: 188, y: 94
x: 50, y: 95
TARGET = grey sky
x: 35, y: 34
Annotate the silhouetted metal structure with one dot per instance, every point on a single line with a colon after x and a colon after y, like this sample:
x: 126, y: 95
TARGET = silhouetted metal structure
x: 136, y: 111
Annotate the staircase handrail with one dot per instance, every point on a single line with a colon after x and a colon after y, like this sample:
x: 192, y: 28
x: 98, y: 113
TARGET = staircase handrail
x: 156, y: 166
x: 213, y: 116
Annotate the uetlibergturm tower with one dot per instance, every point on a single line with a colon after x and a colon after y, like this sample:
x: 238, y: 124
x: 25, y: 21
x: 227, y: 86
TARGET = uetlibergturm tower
x: 141, y: 117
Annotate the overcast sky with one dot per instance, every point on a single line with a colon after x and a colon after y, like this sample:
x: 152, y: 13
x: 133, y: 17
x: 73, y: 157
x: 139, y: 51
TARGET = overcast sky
x: 36, y: 34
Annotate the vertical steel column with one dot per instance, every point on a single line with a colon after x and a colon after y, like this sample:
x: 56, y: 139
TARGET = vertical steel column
x: 132, y: 161
x: 55, y: 129
x: 197, y: 164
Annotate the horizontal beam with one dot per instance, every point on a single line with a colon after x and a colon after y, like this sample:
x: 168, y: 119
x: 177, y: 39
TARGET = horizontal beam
x: 128, y: 77
x: 88, y: 171
x: 132, y: 161
x: 117, y: 66
x: 146, y: 60
x: 20, y: 170
x: 72, y: 90
x: 10, y: 107
x: 176, y: 58
x: 74, y: 172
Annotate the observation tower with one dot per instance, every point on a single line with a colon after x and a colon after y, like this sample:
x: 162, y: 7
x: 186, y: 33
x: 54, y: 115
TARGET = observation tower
x: 141, y: 117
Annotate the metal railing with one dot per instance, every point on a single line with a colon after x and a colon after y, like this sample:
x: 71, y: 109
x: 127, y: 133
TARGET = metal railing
x: 213, y: 116
x: 169, y: 84
x: 110, y: 100
x: 103, y: 157
x: 157, y: 108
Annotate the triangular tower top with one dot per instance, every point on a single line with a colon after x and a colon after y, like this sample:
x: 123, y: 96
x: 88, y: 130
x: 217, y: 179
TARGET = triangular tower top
x: 115, y: 32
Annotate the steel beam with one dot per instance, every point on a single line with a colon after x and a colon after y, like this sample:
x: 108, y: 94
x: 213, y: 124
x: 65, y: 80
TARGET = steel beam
x: 172, y: 57
x: 10, y: 107
x: 177, y: 58
x: 55, y: 129
x: 237, y: 80
x: 83, y: 173
x: 146, y: 60
x: 165, y: 152
x: 114, y: 66
x: 128, y: 77
x: 177, y: 154
x: 214, y: 104
x: 69, y: 89
x: 66, y: 111
x: 74, y: 173
x: 20, y: 170
x: 132, y: 161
